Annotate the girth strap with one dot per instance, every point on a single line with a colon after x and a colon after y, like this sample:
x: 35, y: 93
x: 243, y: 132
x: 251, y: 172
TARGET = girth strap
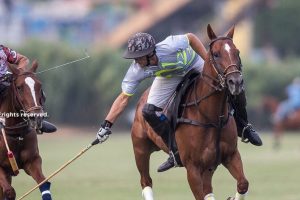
x: 196, y: 123
x: 204, y: 125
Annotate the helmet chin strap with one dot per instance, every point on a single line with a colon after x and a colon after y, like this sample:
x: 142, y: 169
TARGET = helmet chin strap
x: 148, y: 58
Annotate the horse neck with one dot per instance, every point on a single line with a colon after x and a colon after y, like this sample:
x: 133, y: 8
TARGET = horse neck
x: 216, y: 104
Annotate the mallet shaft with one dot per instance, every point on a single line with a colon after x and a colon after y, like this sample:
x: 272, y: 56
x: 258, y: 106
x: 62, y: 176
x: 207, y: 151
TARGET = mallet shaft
x: 60, y: 169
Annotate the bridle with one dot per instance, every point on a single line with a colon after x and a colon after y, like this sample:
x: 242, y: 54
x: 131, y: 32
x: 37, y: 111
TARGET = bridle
x: 19, y: 98
x: 221, y: 74
x: 20, y: 107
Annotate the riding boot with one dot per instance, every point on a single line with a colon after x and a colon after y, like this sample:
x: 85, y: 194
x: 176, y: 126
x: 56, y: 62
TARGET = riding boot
x: 173, y: 161
x: 245, y: 130
x: 47, y: 127
x: 160, y: 124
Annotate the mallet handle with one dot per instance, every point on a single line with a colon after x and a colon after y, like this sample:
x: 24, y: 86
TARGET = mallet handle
x: 10, y: 155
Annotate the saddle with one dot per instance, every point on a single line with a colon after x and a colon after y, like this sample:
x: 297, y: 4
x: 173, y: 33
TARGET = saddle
x: 174, y: 109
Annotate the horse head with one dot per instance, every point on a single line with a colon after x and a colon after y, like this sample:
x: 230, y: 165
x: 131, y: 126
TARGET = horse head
x: 28, y: 97
x: 225, y: 61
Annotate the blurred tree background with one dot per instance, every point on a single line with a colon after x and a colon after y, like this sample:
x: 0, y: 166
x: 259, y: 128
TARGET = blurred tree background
x: 82, y: 93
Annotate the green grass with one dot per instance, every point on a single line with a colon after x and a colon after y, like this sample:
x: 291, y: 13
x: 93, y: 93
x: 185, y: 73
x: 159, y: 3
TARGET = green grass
x: 108, y: 171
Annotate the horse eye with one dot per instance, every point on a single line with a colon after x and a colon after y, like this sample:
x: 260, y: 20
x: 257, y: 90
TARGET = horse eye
x: 216, y: 54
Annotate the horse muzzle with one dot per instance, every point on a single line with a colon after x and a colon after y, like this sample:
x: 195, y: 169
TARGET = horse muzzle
x: 235, y: 83
x: 35, y: 120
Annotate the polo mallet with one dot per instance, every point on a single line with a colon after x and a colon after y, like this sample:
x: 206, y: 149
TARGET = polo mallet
x: 10, y: 155
x: 96, y: 141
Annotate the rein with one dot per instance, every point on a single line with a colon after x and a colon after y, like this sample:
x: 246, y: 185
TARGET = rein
x: 219, y: 87
x: 195, y: 103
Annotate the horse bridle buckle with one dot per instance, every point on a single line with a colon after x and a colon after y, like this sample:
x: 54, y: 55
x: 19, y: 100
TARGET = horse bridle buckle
x: 221, y: 81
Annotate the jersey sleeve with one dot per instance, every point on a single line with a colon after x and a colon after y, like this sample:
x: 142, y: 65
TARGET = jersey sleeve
x: 132, y: 79
x: 11, y: 55
x: 176, y: 42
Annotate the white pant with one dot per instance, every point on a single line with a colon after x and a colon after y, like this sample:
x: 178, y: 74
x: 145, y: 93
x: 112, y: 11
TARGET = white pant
x: 162, y: 89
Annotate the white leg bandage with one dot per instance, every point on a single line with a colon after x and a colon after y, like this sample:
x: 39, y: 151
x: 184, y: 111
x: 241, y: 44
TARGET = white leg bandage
x: 46, y: 192
x: 239, y: 196
x: 147, y: 193
x: 209, y: 196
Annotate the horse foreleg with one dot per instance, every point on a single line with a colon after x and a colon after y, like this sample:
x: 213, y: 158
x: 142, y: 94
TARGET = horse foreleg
x: 207, y: 185
x: 1, y: 193
x: 34, y: 169
x: 142, y: 152
x: 7, y: 191
x: 195, y: 180
x: 235, y: 167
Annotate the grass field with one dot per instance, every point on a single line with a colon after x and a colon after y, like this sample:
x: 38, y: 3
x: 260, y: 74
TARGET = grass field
x: 108, y: 171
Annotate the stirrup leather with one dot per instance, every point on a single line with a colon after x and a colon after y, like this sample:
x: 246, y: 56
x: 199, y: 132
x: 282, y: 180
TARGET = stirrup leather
x: 174, y: 159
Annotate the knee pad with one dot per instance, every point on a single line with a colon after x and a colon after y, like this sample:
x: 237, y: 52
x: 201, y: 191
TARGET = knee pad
x: 151, y: 113
x: 156, y: 119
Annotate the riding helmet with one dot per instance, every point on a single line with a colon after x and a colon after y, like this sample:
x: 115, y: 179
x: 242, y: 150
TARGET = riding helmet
x: 139, y: 45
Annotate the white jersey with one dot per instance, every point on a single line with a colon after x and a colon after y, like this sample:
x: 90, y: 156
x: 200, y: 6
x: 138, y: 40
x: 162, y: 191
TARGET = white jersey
x: 175, y: 58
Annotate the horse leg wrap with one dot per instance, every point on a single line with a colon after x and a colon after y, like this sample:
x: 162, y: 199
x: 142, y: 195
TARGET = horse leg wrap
x: 147, y: 193
x: 209, y: 196
x: 45, y: 190
x: 239, y: 196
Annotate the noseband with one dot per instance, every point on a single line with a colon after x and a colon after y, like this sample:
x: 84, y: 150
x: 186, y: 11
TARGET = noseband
x: 222, y: 74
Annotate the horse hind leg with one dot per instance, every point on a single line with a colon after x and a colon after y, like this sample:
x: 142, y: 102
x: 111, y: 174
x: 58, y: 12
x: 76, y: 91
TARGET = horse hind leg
x: 235, y: 167
x: 7, y: 194
x: 7, y: 191
x: 142, y: 147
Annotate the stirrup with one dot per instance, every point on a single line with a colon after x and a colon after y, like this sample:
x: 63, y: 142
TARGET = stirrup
x: 176, y: 164
x: 244, y: 139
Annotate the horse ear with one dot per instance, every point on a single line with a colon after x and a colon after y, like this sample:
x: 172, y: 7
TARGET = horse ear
x: 14, y: 69
x: 231, y: 32
x: 210, y: 33
x: 34, y: 66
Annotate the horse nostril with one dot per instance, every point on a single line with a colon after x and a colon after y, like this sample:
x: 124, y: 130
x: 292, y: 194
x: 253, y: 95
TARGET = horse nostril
x: 231, y: 82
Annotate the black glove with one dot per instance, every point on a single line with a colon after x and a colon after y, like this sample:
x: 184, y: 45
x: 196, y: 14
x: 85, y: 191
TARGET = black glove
x: 104, y: 131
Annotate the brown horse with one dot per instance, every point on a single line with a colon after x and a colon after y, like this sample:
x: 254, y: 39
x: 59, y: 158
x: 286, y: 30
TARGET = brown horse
x: 201, y: 147
x: 21, y: 105
x: 291, y: 122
